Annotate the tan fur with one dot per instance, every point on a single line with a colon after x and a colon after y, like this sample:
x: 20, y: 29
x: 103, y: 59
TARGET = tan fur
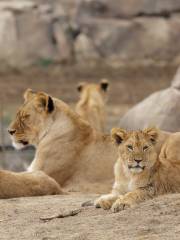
x: 159, y: 171
x: 67, y: 147
x: 92, y: 104
x: 26, y: 184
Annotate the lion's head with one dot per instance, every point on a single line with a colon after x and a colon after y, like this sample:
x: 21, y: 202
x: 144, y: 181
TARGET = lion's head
x: 91, y: 88
x: 32, y: 119
x: 136, y: 148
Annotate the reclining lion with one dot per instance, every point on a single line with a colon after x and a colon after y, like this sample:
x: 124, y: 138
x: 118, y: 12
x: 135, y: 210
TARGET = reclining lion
x: 91, y: 105
x: 67, y: 148
x: 144, y: 169
x: 27, y: 184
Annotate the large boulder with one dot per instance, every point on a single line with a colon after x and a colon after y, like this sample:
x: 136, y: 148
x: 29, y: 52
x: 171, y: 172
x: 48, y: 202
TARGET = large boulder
x: 161, y: 109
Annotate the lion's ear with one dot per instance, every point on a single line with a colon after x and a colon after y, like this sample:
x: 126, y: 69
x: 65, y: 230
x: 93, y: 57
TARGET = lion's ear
x: 28, y: 94
x: 80, y: 86
x: 118, y: 135
x: 152, y: 133
x: 104, y: 83
x: 44, y: 102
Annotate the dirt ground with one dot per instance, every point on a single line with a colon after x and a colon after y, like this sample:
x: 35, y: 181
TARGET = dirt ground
x: 157, y: 219
x: 129, y: 84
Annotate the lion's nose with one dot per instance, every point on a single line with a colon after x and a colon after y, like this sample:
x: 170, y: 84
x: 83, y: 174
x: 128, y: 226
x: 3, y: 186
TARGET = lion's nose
x: 11, y: 131
x: 138, y: 160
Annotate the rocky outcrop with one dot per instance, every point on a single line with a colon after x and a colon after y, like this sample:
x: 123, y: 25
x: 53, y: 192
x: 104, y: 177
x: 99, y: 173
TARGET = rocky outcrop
x: 160, y: 109
x: 35, y: 33
x: 44, y: 32
x: 155, y: 219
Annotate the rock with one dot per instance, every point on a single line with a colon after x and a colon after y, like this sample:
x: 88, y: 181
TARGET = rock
x: 160, y: 109
x: 17, y: 5
x: 35, y: 41
x: 44, y: 37
x: 25, y: 44
x: 8, y: 39
x: 127, y: 8
x: 120, y: 30
x: 84, y: 48
x: 176, y: 81
x: 63, y: 42
x: 135, y: 40
x: 154, y: 219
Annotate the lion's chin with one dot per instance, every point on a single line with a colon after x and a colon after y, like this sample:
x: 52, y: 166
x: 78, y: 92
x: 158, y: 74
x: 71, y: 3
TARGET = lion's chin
x: 19, y: 145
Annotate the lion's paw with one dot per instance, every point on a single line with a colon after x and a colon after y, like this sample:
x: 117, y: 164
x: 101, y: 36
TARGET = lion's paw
x: 119, y: 205
x: 103, y: 202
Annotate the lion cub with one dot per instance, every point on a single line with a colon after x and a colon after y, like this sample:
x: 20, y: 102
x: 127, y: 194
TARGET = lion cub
x: 27, y: 184
x: 140, y: 173
x: 91, y: 105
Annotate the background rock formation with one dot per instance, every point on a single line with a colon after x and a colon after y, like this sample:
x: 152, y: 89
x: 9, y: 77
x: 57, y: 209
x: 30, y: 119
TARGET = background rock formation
x: 44, y: 32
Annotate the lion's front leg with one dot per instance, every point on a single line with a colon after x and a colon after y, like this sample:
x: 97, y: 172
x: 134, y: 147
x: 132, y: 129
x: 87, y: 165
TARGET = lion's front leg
x: 105, y: 201
x: 131, y: 199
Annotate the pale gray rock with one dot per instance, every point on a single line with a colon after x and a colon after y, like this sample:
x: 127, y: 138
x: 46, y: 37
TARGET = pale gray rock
x: 176, y: 81
x: 8, y: 39
x: 17, y: 5
x: 161, y: 109
x: 84, y: 48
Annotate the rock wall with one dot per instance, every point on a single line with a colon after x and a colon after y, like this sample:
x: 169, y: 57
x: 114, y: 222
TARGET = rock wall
x: 44, y: 32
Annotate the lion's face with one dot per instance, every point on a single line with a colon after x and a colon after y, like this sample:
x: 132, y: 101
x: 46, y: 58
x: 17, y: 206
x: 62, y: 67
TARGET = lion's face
x: 31, y: 119
x: 136, y: 148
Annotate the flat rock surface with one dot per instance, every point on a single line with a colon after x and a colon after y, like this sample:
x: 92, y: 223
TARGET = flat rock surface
x: 154, y: 219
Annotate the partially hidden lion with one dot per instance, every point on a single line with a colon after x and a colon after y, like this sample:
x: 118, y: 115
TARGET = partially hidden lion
x: 67, y: 148
x: 26, y: 184
x: 92, y: 103
x: 145, y: 168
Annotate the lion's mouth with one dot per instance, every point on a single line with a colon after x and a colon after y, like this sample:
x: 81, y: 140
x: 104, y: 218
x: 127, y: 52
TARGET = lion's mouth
x: 24, y: 142
x: 136, y: 167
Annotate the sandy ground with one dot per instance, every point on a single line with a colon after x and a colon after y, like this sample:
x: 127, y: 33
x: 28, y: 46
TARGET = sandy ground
x: 157, y: 219
x: 128, y: 84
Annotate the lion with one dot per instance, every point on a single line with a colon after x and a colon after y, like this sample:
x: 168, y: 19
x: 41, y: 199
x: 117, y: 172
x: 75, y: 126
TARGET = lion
x: 68, y: 149
x: 143, y: 170
x: 92, y: 103
x: 24, y: 184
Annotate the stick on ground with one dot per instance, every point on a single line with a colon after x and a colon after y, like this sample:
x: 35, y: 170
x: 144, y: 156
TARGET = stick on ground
x: 62, y: 215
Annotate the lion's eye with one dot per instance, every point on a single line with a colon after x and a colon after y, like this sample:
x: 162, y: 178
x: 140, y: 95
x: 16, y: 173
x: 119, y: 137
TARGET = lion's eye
x: 145, y: 148
x: 26, y: 116
x: 130, y: 147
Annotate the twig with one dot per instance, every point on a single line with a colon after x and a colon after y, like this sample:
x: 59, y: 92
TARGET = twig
x: 61, y: 215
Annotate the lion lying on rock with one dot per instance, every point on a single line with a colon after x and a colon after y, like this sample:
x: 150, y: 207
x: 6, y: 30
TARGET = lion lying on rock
x: 141, y: 172
x: 91, y: 105
x: 26, y: 184
x: 67, y: 148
